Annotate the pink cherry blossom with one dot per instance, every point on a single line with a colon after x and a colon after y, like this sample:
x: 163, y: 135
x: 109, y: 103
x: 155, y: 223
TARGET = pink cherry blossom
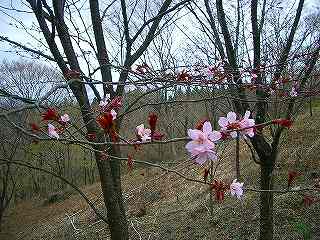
x: 211, y: 135
x: 65, y: 118
x: 114, y: 114
x: 230, y: 122
x: 201, y: 146
x: 52, y: 131
x: 247, y: 122
x: 103, y: 103
x: 236, y: 188
x: 144, y: 134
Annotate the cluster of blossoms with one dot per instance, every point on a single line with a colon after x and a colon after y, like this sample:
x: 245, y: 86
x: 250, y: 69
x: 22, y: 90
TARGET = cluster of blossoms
x: 108, y: 115
x: 230, y: 123
x: 204, y: 139
x: 143, y: 134
x: 202, y: 144
x: 279, y: 86
x: 147, y: 134
x: 219, y: 187
x: 52, y: 115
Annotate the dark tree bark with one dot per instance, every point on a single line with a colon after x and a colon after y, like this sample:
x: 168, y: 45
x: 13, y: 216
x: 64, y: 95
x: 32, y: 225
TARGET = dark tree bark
x: 266, y: 200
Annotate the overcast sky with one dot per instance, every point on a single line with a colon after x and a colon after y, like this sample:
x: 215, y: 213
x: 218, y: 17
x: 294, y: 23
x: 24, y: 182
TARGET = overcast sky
x: 7, y: 23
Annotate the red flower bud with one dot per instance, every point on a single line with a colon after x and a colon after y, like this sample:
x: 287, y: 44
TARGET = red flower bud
x: 157, y: 136
x: 219, y: 187
x: 283, y: 122
x: 34, y: 127
x: 50, y: 114
x: 152, y: 119
x: 105, y: 120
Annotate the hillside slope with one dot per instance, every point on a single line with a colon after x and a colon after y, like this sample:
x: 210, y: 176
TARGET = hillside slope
x: 162, y: 205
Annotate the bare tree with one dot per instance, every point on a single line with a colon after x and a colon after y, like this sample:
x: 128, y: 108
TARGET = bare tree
x: 29, y: 80
x: 55, y: 25
x: 227, y: 42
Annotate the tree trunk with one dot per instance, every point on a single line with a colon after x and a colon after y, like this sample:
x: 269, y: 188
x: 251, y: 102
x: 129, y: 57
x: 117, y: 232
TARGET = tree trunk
x: 109, y: 172
x: 266, y: 202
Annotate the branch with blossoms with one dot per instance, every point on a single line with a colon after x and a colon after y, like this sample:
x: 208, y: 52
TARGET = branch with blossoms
x: 201, y: 147
x: 143, y: 135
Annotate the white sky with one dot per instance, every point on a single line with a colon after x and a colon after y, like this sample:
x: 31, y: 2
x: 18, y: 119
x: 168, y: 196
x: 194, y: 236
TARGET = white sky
x: 7, y: 23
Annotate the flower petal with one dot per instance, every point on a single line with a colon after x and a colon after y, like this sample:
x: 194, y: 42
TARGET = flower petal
x: 213, y: 156
x: 207, y: 128
x: 52, y: 131
x: 191, y: 145
x: 194, y: 133
x: 223, y: 122
x: 201, y: 159
x: 140, y: 130
x: 247, y: 114
x: 250, y: 133
x: 114, y: 114
x: 145, y: 138
x: 208, y: 145
x: 232, y: 117
x: 147, y: 131
x: 215, y: 136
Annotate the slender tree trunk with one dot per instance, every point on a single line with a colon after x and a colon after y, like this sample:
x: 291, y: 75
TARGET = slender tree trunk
x: 109, y: 172
x: 110, y: 177
x: 266, y: 202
